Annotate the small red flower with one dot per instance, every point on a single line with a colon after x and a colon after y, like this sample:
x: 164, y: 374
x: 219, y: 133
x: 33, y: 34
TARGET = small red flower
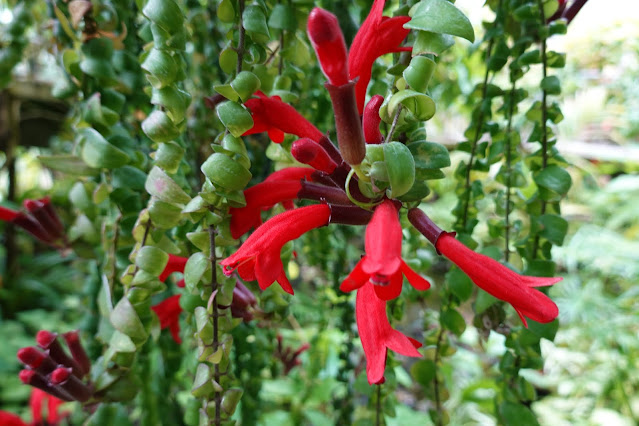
x: 38, y: 400
x: 328, y: 42
x: 279, y: 187
x: 272, y: 115
x: 41, y: 221
x: 382, y: 265
x: 377, y: 335
x: 501, y: 282
x: 175, y: 264
x: 169, y: 313
x: 377, y: 36
x: 259, y: 256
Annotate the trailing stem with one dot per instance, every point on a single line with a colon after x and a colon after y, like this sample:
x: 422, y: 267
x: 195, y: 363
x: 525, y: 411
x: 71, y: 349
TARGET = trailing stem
x: 379, y: 405
x: 389, y: 136
x: 479, y: 126
x: 438, y: 401
x: 240, y: 43
x: 214, y: 315
x: 511, y: 111
x: 544, y: 118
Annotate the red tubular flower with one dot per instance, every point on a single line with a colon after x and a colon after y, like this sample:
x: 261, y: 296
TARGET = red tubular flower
x: 259, y: 256
x: 37, y: 401
x: 169, y: 313
x: 328, y: 42
x: 175, y: 264
x: 308, y: 152
x: 46, y: 215
x: 272, y: 115
x: 377, y: 335
x: 377, y: 36
x: 29, y: 224
x: 501, y: 282
x: 371, y: 120
x: 382, y: 265
x: 279, y: 187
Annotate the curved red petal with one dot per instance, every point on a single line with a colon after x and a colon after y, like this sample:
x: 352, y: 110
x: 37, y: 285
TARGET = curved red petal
x: 355, y: 279
x: 392, y: 290
x: 416, y: 280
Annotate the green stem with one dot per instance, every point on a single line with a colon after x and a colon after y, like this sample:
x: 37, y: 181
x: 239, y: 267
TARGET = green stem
x: 438, y: 402
x: 240, y: 43
x: 509, y: 171
x: 379, y: 405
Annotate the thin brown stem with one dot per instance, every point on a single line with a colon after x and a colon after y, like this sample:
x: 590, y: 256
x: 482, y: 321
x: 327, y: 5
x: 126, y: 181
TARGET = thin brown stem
x: 509, y: 170
x: 240, y: 43
x: 214, y: 315
x: 438, y: 402
x: 389, y: 135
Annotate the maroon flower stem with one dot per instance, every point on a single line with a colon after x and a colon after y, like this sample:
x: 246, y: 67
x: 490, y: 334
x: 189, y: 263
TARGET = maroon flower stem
x: 64, y: 378
x: 31, y: 378
x: 425, y: 225
x: 324, y: 179
x: 332, y: 195
x: 37, y: 360
x: 570, y: 13
x: 349, y: 215
x: 341, y: 174
x: 33, y: 227
x: 46, y: 217
x: 331, y: 149
x: 48, y: 340
x: 77, y: 351
x: 350, y: 136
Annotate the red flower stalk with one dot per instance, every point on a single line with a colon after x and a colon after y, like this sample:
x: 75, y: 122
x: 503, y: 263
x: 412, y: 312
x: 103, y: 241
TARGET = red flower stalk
x: 382, y: 265
x: 371, y: 120
x: 490, y: 275
x: 175, y: 264
x: 29, y: 224
x: 169, y: 313
x: 308, y: 152
x: 328, y: 42
x: 46, y: 215
x: 37, y: 401
x: 38, y: 381
x: 377, y: 36
x: 288, y: 356
x: 272, y: 115
x: 49, y: 340
x: 377, y: 335
x: 259, y: 256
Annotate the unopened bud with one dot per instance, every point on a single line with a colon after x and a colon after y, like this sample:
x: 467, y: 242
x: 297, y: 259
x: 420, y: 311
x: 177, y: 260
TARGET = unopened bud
x: 49, y: 340
x: 372, y: 119
x: 77, y: 351
x: 328, y: 41
x: 309, y: 152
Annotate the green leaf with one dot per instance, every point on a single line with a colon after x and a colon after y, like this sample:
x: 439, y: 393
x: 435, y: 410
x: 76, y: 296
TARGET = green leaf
x: 283, y: 17
x: 419, y: 104
x: 551, y: 85
x: 429, y: 155
x: 440, y: 16
x: 419, y: 72
x: 234, y: 117
x: 226, y: 11
x: 197, y: 265
x: 553, y: 228
x: 459, y: 284
x: 160, y: 185
x: 228, y: 60
x: 224, y: 171
x: 400, y: 167
x: 165, y: 13
x: 423, y: 371
x: 126, y: 320
x: 417, y: 192
x: 162, y: 69
x: 70, y: 164
x: 159, y: 127
x: 152, y: 260
x: 164, y: 215
x: 430, y: 42
x: 99, y: 153
x: 554, y: 178
x: 452, y: 320
x: 255, y: 21
x: 513, y: 414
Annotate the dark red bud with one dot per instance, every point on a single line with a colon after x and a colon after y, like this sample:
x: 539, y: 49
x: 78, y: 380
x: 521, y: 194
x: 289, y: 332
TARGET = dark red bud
x: 77, y: 351
x: 31, y: 356
x: 44, y: 338
x: 33, y: 227
x: 32, y: 378
x: 309, y: 152
x: 48, y: 340
x: 60, y: 375
x: 350, y: 136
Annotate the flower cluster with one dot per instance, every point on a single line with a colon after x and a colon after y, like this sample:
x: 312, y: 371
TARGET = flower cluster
x: 40, y: 220
x: 333, y: 180
x: 49, y: 368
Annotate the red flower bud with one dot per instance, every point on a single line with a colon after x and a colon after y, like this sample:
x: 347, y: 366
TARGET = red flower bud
x: 372, y: 119
x: 328, y: 41
x: 309, y: 152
